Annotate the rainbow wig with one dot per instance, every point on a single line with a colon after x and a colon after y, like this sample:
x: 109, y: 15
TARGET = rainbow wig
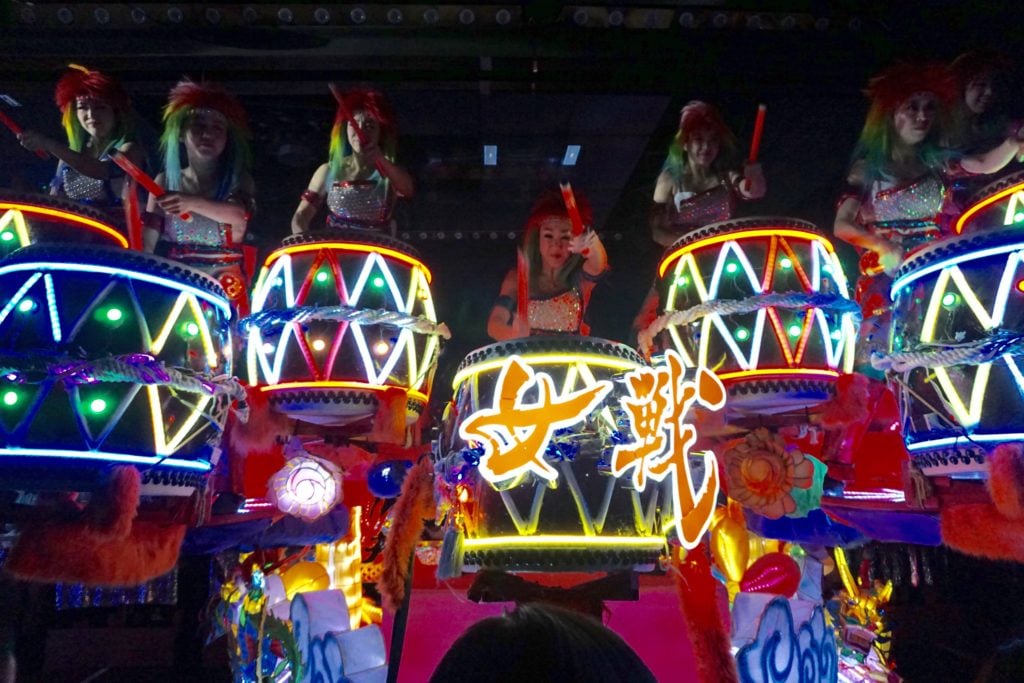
x: 696, y: 116
x: 887, y: 92
x: 188, y: 97
x: 372, y: 103
x: 81, y: 82
x: 551, y: 205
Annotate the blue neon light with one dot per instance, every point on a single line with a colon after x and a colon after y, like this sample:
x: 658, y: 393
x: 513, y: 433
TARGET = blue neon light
x: 198, y: 465
x: 964, y: 441
x: 971, y: 256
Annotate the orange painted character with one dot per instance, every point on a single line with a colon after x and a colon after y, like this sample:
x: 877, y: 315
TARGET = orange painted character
x: 657, y: 406
x: 514, y: 433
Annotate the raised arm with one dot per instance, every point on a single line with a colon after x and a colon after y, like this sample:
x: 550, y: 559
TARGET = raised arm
x: 504, y: 323
x: 311, y: 200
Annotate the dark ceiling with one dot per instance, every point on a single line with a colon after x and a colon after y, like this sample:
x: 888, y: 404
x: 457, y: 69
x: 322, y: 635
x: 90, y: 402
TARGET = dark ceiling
x: 529, y: 77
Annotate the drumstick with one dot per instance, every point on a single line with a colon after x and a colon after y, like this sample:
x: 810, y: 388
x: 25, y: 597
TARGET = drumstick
x: 522, y: 286
x: 139, y: 176
x: 347, y: 116
x: 13, y: 126
x: 755, y: 142
x: 131, y: 209
x: 570, y: 206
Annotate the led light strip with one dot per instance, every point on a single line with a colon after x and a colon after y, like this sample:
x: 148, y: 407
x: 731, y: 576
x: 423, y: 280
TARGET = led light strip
x: 964, y: 441
x: 743, y: 234
x: 65, y: 216
x: 546, y: 359
x: 966, y: 215
x: 198, y: 465
x: 349, y: 246
x: 777, y: 372
x: 910, y: 278
x: 563, y: 540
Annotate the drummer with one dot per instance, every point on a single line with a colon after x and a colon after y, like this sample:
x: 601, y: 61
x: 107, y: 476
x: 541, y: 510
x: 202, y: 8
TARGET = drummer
x: 899, y: 182
x: 563, y: 271
x: 98, y: 119
x: 699, y: 183
x: 215, y: 187
x: 360, y: 180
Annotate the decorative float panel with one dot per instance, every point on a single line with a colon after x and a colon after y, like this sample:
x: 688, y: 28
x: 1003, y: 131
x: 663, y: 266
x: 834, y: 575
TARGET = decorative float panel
x: 957, y: 342
x: 30, y: 219
x: 110, y: 356
x: 339, y: 319
x: 559, y: 454
x: 764, y: 303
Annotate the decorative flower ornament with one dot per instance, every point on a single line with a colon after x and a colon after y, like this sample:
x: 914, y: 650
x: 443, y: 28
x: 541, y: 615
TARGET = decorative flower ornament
x: 762, y: 473
x: 306, y: 487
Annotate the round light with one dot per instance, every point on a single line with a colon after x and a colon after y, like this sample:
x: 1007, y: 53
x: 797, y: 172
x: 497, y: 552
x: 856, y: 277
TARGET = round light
x: 250, y: 14
x: 788, y: 22
x: 175, y: 15
x: 580, y: 17
x: 65, y: 16
x: 1018, y: 217
x: 821, y: 23
x: 6, y: 236
x: 795, y: 330
x: 285, y: 15
x: 836, y: 335
x: 1020, y: 286
x: 191, y: 329
x: 319, y: 345
x: 682, y: 281
x: 321, y: 15
x: 616, y: 18
x: 731, y: 267
x: 720, y: 20
x: 502, y: 17
x: 114, y: 314
x: 381, y: 347
x: 394, y: 16
x: 321, y: 276
x: 268, y: 347
x: 742, y: 334
x: 378, y: 282
x: 213, y: 15
x: 97, y: 405
x: 950, y: 299
x: 278, y: 281
x: 785, y: 263
x: 466, y: 17
x: 101, y: 15
x: 687, y: 20
x: 431, y: 16
x: 138, y: 15
x: 26, y: 305
x: 10, y: 398
x: 357, y: 15
x: 28, y: 15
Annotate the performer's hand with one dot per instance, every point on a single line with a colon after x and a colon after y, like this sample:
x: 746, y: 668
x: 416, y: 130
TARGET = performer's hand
x: 31, y: 140
x: 372, y: 153
x: 519, y: 326
x: 581, y: 243
x: 175, y: 202
x: 890, y: 257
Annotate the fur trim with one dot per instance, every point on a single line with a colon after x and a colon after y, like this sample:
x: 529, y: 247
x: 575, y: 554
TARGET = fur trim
x: 980, y: 530
x: 255, y: 451
x: 1006, y: 479
x: 389, y: 420
x: 852, y: 403
x: 698, y: 597
x: 104, y: 546
x: 415, y: 504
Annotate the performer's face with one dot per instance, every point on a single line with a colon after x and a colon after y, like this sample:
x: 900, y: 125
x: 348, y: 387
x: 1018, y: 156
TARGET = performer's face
x: 978, y: 95
x: 702, y: 147
x: 914, y: 118
x: 370, y: 127
x: 554, y: 242
x: 206, y: 135
x: 96, y: 116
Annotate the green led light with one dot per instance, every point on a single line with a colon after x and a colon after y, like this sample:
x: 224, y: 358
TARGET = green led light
x: 114, y: 314
x: 950, y: 299
x: 742, y: 334
x: 1017, y: 218
x: 785, y: 263
x: 97, y: 405
x: 190, y: 329
x: 682, y: 281
x: 322, y: 276
x: 836, y: 335
x: 26, y: 305
x: 378, y: 282
x: 731, y: 267
x: 6, y: 236
x: 10, y: 398
x: 795, y: 330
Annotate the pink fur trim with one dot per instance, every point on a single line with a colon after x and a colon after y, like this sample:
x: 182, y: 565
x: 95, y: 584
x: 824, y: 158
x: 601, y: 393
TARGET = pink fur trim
x: 979, y: 529
x: 1006, y: 479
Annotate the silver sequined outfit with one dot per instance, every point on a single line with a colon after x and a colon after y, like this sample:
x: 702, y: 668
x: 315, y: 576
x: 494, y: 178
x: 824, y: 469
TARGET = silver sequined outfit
x: 559, y: 313
x: 98, y: 192
x: 359, y: 203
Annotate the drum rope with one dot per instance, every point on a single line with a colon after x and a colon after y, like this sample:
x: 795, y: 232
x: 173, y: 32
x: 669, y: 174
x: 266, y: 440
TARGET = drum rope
x: 977, y: 352
x: 267, y: 319
x: 827, y: 302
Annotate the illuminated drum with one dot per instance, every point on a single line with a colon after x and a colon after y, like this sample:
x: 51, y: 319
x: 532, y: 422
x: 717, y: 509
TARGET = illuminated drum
x: 956, y: 349
x: 110, y: 357
x: 996, y: 206
x: 764, y: 303
x: 567, y: 513
x: 33, y: 218
x: 340, y: 319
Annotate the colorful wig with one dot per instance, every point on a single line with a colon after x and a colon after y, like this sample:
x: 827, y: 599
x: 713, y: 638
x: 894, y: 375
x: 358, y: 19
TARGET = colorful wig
x: 887, y: 92
x: 372, y: 103
x: 81, y: 82
x: 188, y: 97
x: 551, y: 205
x: 697, y: 116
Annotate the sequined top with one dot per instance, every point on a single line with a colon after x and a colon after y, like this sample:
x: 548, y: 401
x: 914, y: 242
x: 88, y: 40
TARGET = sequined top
x: 359, y: 203
x: 697, y: 210
x: 906, y: 213
x: 79, y: 187
x: 559, y: 313
x: 200, y: 231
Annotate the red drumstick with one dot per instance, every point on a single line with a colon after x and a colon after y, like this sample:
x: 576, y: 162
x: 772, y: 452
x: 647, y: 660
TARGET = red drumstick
x: 347, y: 116
x: 755, y: 142
x: 13, y: 126
x: 142, y: 178
x: 523, y: 286
x: 570, y: 206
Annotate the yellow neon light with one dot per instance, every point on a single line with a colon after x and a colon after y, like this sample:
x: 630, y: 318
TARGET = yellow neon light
x: 966, y: 216
x: 160, y: 443
x: 545, y: 359
x: 349, y: 246
x: 563, y: 540
x: 972, y: 416
x: 776, y: 372
x: 339, y: 384
x: 165, y: 331
x: 66, y: 216
x: 20, y: 228
x: 742, y: 234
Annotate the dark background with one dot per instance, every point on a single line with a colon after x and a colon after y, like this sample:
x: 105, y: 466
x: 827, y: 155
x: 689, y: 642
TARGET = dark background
x: 532, y: 77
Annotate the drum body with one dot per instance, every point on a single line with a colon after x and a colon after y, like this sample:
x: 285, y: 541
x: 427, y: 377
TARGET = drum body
x: 33, y: 218
x: 583, y: 519
x: 340, y: 319
x: 764, y: 303
x: 109, y: 357
x: 997, y: 206
x: 958, y: 326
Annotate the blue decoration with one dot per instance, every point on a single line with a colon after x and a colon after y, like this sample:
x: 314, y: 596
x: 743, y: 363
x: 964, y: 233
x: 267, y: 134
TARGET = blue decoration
x: 384, y: 478
x: 782, y: 654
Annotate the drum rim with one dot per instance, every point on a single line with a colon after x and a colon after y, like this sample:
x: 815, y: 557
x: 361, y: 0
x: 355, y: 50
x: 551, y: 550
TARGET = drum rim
x: 117, y: 257
x: 747, y: 222
x: 368, y: 237
x: 62, y: 203
x: 958, y: 245
x: 542, y: 341
x: 996, y: 186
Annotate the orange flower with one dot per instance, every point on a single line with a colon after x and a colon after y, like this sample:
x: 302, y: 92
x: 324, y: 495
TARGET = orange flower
x: 761, y: 472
